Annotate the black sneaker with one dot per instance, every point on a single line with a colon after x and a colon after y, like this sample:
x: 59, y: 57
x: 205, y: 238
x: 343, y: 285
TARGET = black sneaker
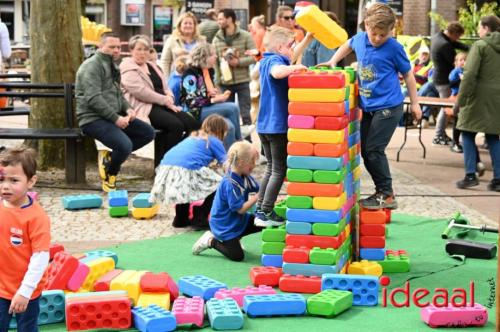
x: 494, y: 185
x: 441, y: 140
x: 470, y: 180
x: 457, y: 148
x: 379, y: 201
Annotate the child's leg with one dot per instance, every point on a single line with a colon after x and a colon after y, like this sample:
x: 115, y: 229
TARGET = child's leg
x: 4, y: 315
x: 276, y: 169
x: 232, y: 248
x: 266, y: 148
x: 366, y: 122
x: 181, y: 215
x: 28, y: 320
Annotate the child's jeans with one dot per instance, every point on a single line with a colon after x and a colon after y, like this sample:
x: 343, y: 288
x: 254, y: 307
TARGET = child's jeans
x: 275, y: 151
x: 26, y: 322
x: 377, y: 129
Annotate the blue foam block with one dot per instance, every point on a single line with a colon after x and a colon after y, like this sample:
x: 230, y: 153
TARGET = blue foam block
x: 274, y: 305
x: 347, y: 108
x: 224, y: 314
x: 307, y: 269
x: 313, y: 215
x: 315, y: 163
x: 297, y: 227
x: 52, y: 309
x: 101, y: 253
x: 118, y: 198
x: 76, y: 202
x: 354, y: 139
x: 153, y: 318
x: 142, y: 200
x: 372, y: 254
x: 272, y: 260
x: 348, y: 185
x: 199, y: 285
x: 364, y: 288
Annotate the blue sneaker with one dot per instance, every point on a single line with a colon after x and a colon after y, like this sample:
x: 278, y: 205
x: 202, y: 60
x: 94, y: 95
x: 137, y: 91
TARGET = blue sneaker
x: 263, y: 219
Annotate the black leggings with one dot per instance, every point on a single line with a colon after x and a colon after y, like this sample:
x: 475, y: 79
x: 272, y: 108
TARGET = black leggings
x: 174, y: 124
x: 232, y: 248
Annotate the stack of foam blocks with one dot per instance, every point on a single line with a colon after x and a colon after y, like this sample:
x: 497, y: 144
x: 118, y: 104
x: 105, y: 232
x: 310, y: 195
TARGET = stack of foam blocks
x: 323, y: 177
x: 118, y: 203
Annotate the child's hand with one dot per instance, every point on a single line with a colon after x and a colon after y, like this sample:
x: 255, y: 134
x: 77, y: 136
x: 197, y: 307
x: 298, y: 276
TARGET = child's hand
x: 416, y: 110
x: 18, y: 304
x: 298, y: 68
x: 253, y: 199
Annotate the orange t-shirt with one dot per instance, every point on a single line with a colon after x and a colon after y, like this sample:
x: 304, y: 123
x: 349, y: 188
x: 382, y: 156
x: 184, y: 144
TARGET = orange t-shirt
x: 23, y: 231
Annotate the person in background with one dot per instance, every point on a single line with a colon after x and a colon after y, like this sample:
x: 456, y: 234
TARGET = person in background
x: 257, y: 29
x: 455, y: 78
x: 422, y: 66
x: 478, y: 100
x: 209, y: 26
x: 184, y: 38
x: 5, y: 49
x: 175, y: 80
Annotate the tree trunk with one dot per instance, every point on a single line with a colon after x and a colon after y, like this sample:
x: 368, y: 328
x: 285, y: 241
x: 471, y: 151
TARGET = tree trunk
x: 56, y: 54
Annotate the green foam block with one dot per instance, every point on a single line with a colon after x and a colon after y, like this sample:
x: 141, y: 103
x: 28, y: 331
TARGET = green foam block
x: 274, y: 234
x: 273, y: 248
x: 299, y: 202
x: 326, y: 229
x: 329, y: 303
x: 118, y: 211
x: 326, y: 256
x: 331, y: 177
x: 299, y: 175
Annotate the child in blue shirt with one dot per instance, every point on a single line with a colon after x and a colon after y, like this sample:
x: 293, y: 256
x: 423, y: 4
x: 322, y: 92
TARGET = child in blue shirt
x: 175, y: 79
x: 184, y: 175
x: 272, y: 122
x: 455, y: 78
x: 380, y: 60
x: 229, y: 217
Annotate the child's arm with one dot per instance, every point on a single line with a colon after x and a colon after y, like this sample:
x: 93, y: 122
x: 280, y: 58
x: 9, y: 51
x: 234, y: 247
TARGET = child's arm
x: 300, y: 47
x: 36, y: 268
x: 341, y: 53
x: 411, y: 85
x: 282, y: 71
x: 248, y: 204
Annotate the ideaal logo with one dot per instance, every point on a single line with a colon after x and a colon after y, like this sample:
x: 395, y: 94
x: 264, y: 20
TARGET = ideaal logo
x: 440, y: 296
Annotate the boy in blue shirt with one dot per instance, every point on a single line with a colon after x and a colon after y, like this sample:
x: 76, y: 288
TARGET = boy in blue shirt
x: 380, y: 59
x: 455, y: 78
x: 272, y: 123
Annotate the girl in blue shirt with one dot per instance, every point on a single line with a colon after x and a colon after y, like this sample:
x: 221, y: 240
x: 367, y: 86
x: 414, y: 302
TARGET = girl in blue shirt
x: 229, y: 219
x: 185, y: 176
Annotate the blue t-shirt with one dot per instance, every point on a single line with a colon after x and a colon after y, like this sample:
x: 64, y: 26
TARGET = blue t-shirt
x: 174, y: 84
x: 455, y: 80
x: 225, y: 221
x: 273, y: 112
x: 378, y: 69
x: 194, y: 153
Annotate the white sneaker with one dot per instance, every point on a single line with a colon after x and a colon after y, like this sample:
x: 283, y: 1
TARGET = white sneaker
x: 247, y: 130
x: 203, y: 243
x: 480, y: 169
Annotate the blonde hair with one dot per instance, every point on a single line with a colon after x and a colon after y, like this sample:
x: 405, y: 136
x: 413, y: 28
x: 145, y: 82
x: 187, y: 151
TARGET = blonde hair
x: 277, y: 37
x: 241, y: 152
x: 200, y: 55
x: 261, y: 20
x: 177, y: 32
x: 214, y: 125
x: 143, y: 39
x: 461, y: 55
x: 180, y: 64
x: 380, y: 16
x: 281, y: 10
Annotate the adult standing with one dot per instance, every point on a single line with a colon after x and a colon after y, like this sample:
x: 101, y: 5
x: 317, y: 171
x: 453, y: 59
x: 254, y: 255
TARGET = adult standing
x: 102, y: 111
x: 285, y: 18
x: 231, y: 43
x: 144, y: 87
x: 443, y: 45
x: 184, y: 38
x: 5, y: 50
x: 209, y: 26
x: 478, y: 100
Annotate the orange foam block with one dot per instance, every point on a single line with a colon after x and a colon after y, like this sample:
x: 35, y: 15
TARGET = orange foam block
x: 314, y: 189
x: 330, y: 150
x: 300, y: 149
x: 372, y: 216
x: 316, y: 109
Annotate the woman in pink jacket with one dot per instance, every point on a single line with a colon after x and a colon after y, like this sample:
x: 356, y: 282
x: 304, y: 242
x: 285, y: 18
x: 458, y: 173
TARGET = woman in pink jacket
x: 144, y: 88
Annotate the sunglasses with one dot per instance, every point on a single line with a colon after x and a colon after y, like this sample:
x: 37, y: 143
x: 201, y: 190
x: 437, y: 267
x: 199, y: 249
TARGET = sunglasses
x: 288, y: 18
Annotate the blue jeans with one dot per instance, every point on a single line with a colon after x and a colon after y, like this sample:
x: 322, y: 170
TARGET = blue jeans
x: 231, y: 113
x: 377, y: 129
x: 470, y: 152
x: 121, y: 141
x: 26, y: 321
x: 427, y: 90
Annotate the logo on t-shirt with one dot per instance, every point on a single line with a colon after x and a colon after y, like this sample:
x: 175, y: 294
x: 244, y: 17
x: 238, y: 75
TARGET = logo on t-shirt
x: 16, y: 236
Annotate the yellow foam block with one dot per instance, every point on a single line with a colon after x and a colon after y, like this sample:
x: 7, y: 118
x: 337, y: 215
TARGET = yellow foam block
x: 353, y: 101
x: 329, y: 203
x: 317, y: 95
x: 328, y: 33
x: 365, y: 268
x: 353, y: 151
x: 97, y: 268
x: 352, y: 89
x: 160, y: 299
x: 128, y: 280
x: 145, y: 213
x: 315, y: 136
x: 356, y: 173
x: 344, y: 270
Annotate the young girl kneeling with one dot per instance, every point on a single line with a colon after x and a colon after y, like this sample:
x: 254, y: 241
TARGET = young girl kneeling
x: 229, y: 219
x: 184, y: 176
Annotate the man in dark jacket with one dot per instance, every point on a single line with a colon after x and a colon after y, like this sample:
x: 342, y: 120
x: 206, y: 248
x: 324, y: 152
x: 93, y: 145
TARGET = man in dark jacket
x: 104, y: 114
x: 443, y: 45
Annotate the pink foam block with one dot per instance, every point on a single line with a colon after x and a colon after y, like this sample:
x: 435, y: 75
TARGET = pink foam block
x: 189, y: 310
x: 78, y: 277
x: 238, y: 293
x: 301, y: 121
x: 34, y: 195
x: 451, y: 316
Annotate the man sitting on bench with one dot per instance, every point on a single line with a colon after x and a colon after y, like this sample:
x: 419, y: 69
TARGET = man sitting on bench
x: 104, y: 114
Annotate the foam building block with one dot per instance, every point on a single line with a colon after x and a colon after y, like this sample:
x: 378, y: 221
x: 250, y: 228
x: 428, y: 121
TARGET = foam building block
x: 98, y: 268
x: 330, y: 150
x: 315, y: 136
x: 189, y: 310
x: 272, y: 248
x: 311, y: 241
x: 292, y: 254
x: 316, y: 108
x: 326, y: 256
x: 332, y: 177
x: 299, y: 202
x: 128, y: 280
x: 365, y: 268
x: 315, y: 163
x: 272, y: 260
x: 300, y: 148
x: 101, y: 253
x: 301, y: 121
x: 78, y: 202
x: 326, y: 229
x: 224, y: 314
x: 118, y: 198
x: 314, y: 189
x: 145, y: 213
x: 372, y: 241
x: 274, y: 305
x: 274, y: 234
x: 78, y: 277
x: 60, y: 270
x: 316, y: 95
x: 329, y: 303
x: 372, y: 254
x: 153, y: 318
x: 451, y: 316
x: 329, y: 203
x: 331, y: 123
x: 372, y: 230
x: 51, y: 308
x: 118, y: 211
x: 160, y: 299
x: 238, y: 294
x: 315, y: 79
x: 372, y: 216
x: 330, y: 34
x: 396, y: 261
x: 313, y: 215
x: 199, y: 285
x: 103, y: 283
x: 54, y: 249
x: 154, y: 282
x: 308, y: 269
x: 141, y: 200
x: 363, y: 288
x: 300, y: 284
x: 265, y: 275
x: 300, y: 228
x: 299, y: 175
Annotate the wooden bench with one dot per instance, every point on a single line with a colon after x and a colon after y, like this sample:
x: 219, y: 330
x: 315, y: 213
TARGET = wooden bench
x: 423, y: 101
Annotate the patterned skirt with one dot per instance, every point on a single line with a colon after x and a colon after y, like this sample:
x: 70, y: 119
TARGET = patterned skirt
x: 179, y: 185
